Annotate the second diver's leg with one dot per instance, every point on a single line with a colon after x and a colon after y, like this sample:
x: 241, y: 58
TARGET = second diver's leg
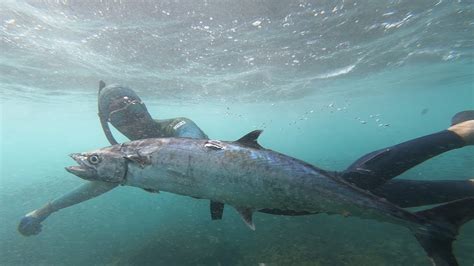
x: 375, y: 170
x: 412, y: 193
x: 378, y: 167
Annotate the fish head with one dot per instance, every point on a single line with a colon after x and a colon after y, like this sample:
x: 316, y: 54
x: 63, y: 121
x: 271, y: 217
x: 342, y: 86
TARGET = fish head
x: 106, y: 165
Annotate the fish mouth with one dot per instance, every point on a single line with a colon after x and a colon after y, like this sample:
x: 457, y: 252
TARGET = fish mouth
x: 83, y: 170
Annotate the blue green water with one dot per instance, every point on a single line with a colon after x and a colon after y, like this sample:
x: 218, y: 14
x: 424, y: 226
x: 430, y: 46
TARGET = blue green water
x: 409, y: 65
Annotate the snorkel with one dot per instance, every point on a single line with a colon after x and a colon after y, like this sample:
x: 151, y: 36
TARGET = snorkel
x: 122, y: 107
x: 103, y: 116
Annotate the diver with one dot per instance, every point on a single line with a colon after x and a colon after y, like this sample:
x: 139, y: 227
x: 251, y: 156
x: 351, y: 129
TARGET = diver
x: 122, y: 107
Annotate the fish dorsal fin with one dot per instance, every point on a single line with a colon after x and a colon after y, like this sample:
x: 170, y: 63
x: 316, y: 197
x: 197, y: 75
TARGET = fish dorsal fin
x: 246, y: 215
x: 250, y: 140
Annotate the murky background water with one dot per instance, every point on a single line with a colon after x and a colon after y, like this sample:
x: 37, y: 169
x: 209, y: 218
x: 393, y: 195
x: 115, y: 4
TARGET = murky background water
x: 327, y: 80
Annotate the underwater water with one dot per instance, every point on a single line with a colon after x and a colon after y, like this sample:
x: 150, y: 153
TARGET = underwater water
x: 327, y: 81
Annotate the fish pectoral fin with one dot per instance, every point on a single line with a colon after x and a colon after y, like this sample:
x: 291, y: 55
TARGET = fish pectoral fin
x: 217, y: 209
x: 246, y: 215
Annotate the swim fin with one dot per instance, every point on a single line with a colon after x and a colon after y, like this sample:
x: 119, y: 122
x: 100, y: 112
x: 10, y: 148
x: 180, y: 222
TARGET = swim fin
x: 462, y: 117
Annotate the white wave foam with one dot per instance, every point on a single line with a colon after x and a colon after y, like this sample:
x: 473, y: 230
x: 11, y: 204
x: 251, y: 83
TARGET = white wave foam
x: 337, y: 72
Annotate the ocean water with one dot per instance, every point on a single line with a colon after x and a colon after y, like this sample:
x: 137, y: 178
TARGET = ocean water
x: 328, y: 81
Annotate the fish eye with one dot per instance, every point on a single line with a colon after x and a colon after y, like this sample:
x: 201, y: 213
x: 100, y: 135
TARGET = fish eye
x: 93, y: 159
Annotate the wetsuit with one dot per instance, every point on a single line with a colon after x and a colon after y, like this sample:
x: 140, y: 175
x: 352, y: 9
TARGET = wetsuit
x: 375, y: 170
x: 180, y: 127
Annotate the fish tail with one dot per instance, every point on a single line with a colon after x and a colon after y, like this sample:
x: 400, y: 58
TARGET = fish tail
x: 438, y: 244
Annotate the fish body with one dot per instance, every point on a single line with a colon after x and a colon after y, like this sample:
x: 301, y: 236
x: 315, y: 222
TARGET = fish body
x: 249, y: 177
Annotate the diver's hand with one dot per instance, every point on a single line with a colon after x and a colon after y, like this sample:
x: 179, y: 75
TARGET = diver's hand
x: 30, y: 225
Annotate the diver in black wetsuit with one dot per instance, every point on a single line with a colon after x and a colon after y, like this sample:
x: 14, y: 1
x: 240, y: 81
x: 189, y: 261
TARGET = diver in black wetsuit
x: 124, y: 109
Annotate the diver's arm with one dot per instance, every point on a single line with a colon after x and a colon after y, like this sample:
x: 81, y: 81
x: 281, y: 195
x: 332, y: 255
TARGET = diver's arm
x: 182, y: 127
x: 31, y: 222
x: 82, y: 193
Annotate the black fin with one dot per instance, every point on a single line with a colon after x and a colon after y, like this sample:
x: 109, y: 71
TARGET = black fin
x: 438, y: 245
x: 101, y: 85
x: 462, y: 117
x: 246, y: 215
x: 217, y: 209
x: 250, y: 140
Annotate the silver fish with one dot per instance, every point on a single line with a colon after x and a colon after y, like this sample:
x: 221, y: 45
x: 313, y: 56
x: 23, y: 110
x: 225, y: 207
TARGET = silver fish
x: 249, y: 177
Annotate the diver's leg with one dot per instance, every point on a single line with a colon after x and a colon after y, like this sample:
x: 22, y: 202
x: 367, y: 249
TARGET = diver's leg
x: 380, y: 166
x: 30, y: 224
x: 376, y: 168
x: 412, y: 193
